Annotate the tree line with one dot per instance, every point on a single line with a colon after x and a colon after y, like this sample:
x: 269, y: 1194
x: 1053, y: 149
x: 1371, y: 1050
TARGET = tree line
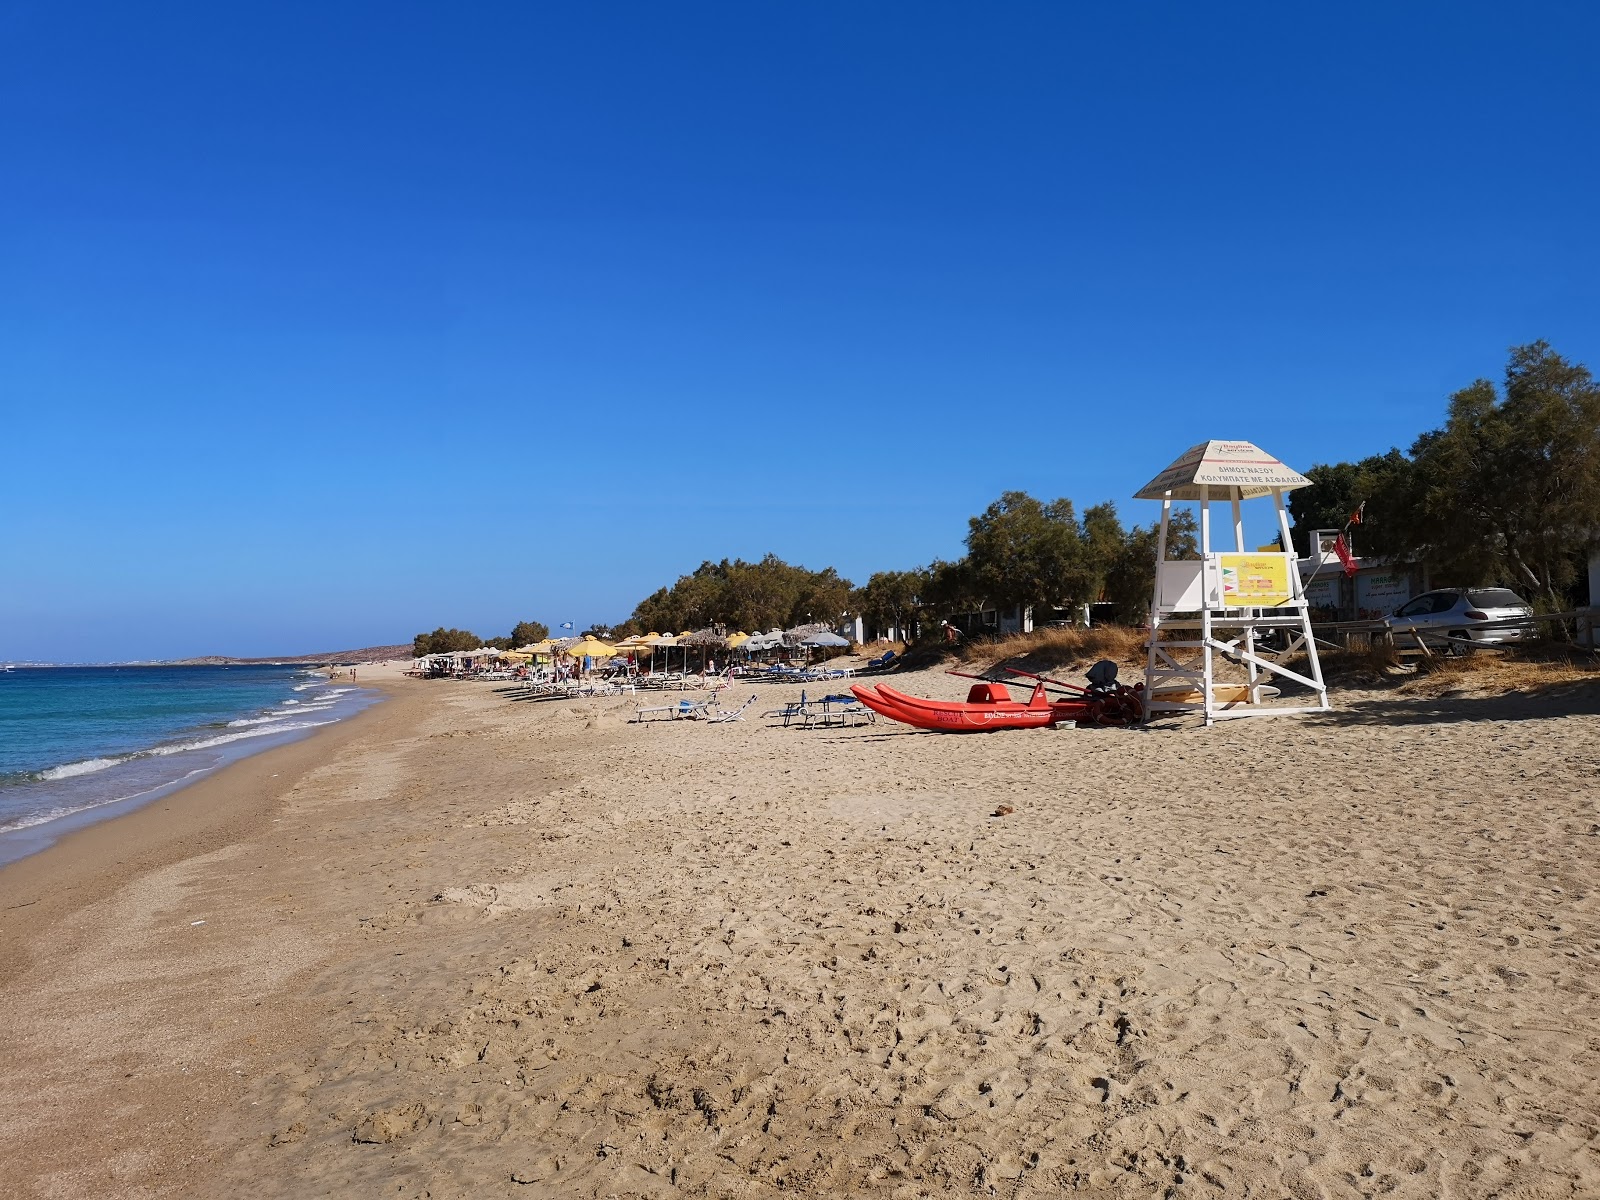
x: 1020, y: 551
x: 1506, y: 492
x: 447, y: 641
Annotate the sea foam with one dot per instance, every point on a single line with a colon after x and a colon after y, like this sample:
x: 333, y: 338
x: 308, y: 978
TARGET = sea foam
x: 87, y: 767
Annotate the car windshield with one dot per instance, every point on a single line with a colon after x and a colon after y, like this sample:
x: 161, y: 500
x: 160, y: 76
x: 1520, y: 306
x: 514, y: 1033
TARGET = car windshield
x: 1496, y: 598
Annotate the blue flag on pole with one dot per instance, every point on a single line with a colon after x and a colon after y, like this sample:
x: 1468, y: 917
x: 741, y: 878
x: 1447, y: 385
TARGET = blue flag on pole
x: 566, y: 624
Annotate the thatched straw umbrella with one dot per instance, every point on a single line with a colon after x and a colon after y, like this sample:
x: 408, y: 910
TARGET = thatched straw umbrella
x: 705, y: 639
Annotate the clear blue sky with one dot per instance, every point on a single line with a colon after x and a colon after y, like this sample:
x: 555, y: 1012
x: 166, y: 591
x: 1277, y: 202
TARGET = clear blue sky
x: 324, y: 324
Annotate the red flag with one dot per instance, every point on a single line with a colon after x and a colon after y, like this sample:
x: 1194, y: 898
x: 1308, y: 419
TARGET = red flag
x: 1355, y: 517
x: 1343, y: 551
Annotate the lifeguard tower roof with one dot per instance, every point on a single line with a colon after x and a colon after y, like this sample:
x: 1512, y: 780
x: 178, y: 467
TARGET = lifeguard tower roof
x: 1228, y: 470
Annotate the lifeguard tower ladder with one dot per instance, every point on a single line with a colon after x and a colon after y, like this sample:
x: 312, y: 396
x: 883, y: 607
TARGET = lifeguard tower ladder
x: 1224, y: 603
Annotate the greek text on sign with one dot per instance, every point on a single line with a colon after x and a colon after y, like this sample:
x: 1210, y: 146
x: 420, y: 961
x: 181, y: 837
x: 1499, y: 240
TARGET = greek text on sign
x: 1254, y: 580
x: 1222, y: 470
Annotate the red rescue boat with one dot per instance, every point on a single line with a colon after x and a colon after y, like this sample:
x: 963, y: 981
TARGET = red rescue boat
x: 989, y: 706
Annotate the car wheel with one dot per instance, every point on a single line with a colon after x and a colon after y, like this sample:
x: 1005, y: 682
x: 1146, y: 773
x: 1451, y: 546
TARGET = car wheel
x: 1460, y: 644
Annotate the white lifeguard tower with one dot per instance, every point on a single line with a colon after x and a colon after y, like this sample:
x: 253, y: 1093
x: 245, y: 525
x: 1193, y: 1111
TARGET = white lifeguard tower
x: 1225, y: 602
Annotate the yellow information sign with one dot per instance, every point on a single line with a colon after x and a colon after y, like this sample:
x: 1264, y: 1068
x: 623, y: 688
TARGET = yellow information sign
x: 1254, y: 580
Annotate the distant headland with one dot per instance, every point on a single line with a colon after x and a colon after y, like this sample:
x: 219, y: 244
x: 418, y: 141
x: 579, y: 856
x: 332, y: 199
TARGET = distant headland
x: 370, y: 654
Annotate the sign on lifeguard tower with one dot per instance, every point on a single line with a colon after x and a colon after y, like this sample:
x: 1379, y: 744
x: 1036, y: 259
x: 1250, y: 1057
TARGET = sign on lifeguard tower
x: 1254, y: 580
x: 1233, y: 604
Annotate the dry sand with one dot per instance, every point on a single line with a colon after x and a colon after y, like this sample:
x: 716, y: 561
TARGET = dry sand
x: 463, y: 946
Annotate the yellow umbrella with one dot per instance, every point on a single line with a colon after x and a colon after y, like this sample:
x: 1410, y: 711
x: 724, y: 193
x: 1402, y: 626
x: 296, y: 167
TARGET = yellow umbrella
x: 735, y: 640
x: 591, y: 648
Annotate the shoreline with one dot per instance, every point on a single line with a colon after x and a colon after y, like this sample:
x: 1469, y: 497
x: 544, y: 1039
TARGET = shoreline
x: 94, y: 784
x: 81, y: 864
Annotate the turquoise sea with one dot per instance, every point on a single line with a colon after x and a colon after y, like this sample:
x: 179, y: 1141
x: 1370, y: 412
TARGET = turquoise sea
x: 81, y: 743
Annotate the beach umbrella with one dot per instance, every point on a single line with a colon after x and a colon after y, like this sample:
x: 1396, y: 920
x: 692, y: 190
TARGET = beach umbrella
x: 706, y: 639
x: 826, y: 638
x: 659, y: 644
x: 798, y: 635
x: 590, y: 647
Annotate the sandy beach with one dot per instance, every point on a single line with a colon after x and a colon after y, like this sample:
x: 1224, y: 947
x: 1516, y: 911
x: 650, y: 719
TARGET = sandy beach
x: 467, y: 946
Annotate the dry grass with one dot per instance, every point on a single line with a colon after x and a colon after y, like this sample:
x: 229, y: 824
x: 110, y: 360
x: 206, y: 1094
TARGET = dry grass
x: 1530, y: 667
x: 874, y: 648
x: 1055, y: 648
x: 1498, y: 673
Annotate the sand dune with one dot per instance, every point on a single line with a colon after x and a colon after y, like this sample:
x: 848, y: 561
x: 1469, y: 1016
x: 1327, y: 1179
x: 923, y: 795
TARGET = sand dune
x: 493, y: 948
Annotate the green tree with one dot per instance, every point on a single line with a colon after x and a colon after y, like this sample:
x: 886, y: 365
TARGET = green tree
x: 745, y: 595
x: 1383, y: 482
x: 526, y: 633
x: 1103, y: 542
x: 1022, y: 551
x: 444, y: 641
x: 893, y: 598
x: 1509, y: 489
x: 1130, y: 582
x: 821, y: 596
x: 950, y: 591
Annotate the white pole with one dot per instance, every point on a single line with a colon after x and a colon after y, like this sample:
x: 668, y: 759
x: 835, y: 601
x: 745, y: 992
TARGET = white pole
x: 1155, y: 599
x: 1205, y: 597
x: 1297, y: 586
x: 1249, y: 634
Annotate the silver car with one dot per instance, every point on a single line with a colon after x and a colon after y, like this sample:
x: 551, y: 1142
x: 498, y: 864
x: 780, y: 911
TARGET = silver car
x: 1455, y: 618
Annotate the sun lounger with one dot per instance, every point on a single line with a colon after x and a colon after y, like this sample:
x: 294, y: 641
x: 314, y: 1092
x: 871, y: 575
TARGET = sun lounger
x: 731, y: 714
x: 681, y: 711
x: 789, y: 711
x: 837, y: 710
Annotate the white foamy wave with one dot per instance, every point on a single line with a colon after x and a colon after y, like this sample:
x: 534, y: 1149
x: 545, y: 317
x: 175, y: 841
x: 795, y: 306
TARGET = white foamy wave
x: 279, y: 714
x: 87, y: 767
x: 224, y: 738
x: 45, y: 816
x: 291, y: 702
x: 300, y: 687
x: 242, y: 722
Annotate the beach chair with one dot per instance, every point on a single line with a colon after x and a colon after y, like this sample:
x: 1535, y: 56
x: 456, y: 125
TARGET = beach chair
x: 731, y: 714
x: 838, y: 710
x: 683, y: 709
x: 789, y: 711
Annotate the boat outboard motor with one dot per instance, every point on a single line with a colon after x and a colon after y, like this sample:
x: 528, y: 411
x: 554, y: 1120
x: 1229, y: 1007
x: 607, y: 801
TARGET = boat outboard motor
x: 1102, y: 677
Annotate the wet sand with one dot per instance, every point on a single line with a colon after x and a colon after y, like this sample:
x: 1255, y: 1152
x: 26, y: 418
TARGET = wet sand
x: 465, y: 946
